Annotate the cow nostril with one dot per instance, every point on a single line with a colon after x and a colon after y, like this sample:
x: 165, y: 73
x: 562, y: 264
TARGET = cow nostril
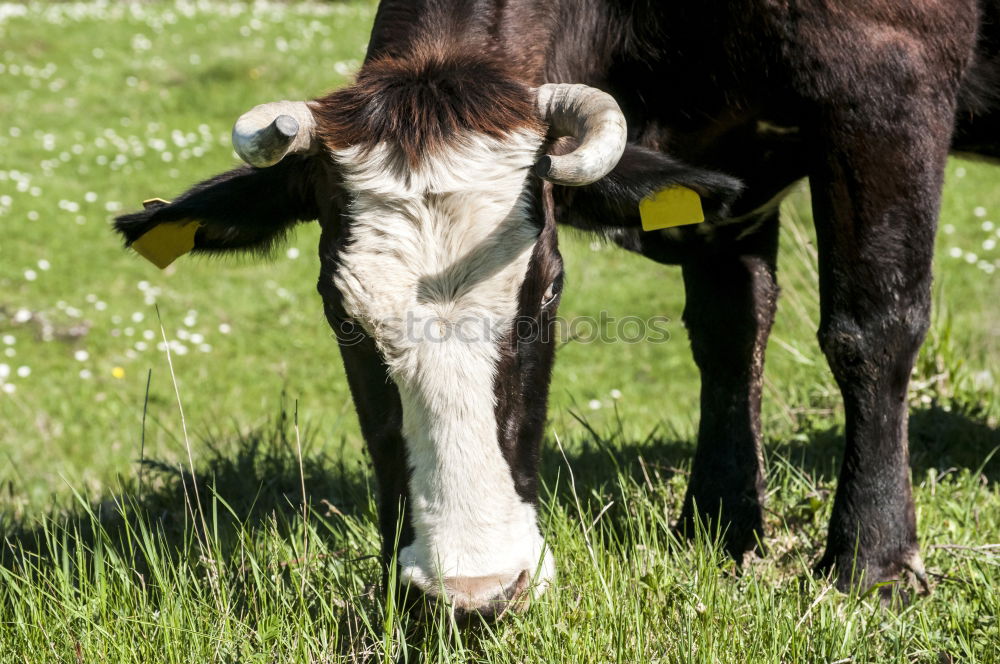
x: 486, y: 597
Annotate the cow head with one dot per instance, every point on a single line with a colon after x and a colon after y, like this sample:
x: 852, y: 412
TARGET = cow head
x: 441, y: 275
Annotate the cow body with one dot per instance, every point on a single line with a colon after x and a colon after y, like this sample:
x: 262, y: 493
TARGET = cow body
x: 438, y: 243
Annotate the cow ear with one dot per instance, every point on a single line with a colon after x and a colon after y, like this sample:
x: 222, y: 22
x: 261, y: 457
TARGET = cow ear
x: 613, y: 201
x: 245, y: 209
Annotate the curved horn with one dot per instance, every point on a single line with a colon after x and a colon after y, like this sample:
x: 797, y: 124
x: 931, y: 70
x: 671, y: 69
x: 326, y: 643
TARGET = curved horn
x: 265, y: 134
x: 592, y: 117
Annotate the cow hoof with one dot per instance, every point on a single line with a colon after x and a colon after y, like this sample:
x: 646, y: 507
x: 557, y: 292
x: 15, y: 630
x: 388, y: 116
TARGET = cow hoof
x: 896, y: 580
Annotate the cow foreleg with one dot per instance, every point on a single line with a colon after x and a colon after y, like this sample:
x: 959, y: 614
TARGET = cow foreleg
x: 876, y: 193
x: 731, y: 296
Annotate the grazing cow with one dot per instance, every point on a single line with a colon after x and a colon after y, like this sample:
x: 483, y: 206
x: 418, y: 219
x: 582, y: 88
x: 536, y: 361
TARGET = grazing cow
x: 475, y: 125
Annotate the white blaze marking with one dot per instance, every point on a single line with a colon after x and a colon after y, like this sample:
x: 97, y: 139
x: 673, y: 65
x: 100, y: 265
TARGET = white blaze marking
x: 433, y: 271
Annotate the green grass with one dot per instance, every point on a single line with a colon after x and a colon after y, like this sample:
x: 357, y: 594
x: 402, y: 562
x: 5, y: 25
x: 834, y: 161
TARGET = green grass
x: 105, y: 558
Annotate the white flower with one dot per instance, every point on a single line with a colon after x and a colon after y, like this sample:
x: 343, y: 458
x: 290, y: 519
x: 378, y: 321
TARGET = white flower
x: 292, y: 253
x: 616, y: 394
x: 8, y: 388
x: 43, y: 264
x: 24, y: 371
x: 81, y: 355
x: 4, y: 371
x: 955, y: 252
x: 85, y: 374
x: 979, y: 211
x: 9, y: 339
x: 224, y: 328
x: 30, y: 275
x: 137, y: 317
x: 594, y: 404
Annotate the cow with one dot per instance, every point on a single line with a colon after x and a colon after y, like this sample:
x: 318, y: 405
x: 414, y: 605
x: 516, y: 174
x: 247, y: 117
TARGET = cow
x: 474, y: 126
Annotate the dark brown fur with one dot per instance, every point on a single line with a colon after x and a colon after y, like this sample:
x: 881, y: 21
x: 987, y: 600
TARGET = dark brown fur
x: 524, y: 371
x: 422, y: 102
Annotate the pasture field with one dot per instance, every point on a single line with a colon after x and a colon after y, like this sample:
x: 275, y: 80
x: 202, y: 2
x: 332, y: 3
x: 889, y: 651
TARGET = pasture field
x: 130, y: 532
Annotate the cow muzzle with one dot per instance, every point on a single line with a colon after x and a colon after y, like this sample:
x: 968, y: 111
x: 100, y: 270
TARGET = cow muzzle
x: 471, y: 599
x: 485, y: 598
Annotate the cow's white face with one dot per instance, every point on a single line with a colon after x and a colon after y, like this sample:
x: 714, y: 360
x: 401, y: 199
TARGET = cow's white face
x: 435, y: 244
x: 433, y: 270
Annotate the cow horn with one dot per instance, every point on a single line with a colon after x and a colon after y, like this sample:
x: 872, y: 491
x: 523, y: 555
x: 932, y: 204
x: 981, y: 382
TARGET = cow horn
x: 594, y: 119
x: 265, y: 134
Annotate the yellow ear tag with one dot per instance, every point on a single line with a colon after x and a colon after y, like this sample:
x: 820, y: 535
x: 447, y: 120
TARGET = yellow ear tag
x: 164, y: 243
x: 673, y: 206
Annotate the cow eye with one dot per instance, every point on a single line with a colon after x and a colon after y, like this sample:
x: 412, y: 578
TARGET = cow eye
x: 550, y: 295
